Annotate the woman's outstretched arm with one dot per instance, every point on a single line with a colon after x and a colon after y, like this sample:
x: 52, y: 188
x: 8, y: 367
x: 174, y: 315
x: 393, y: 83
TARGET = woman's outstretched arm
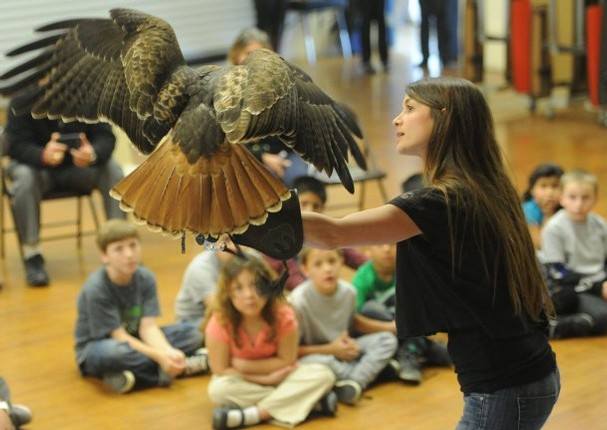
x: 384, y: 224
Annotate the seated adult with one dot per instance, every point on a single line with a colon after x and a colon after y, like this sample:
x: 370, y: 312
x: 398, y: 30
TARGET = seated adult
x: 51, y: 155
x: 271, y: 151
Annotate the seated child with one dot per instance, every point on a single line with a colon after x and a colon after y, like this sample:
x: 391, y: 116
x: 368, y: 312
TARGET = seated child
x: 574, y: 250
x: 117, y: 337
x: 252, y: 342
x: 198, y: 285
x: 375, y: 285
x: 541, y: 199
x: 326, y: 311
x: 312, y: 195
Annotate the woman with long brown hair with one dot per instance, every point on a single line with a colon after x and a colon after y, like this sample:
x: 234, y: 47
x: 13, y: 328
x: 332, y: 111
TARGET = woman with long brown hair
x: 465, y: 261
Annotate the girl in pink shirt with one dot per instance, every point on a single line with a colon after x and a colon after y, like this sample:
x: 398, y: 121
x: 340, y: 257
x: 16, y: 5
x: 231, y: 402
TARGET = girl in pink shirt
x: 253, y: 342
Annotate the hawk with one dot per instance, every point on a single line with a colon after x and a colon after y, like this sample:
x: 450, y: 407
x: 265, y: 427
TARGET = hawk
x: 198, y: 178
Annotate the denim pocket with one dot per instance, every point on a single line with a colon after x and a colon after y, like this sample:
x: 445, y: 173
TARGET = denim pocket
x: 534, y: 411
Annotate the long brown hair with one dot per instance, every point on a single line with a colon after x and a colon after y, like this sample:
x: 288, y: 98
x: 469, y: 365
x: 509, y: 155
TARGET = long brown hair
x: 464, y: 162
x: 222, y: 303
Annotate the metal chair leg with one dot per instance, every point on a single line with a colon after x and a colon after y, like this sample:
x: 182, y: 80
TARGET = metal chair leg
x: 344, y: 36
x: 361, y: 200
x: 2, y: 228
x: 308, y: 39
x: 79, y: 221
x: 382, y: 190
x: 93, y: 211
x: 17, y: 233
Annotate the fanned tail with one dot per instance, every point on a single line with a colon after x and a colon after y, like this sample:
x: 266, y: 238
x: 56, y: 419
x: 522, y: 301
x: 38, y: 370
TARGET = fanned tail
x: 224, y: 193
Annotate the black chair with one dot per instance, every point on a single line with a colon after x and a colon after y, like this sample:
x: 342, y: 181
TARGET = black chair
x: 306, y: 7
x: 53, y: 195
x: 361, y: 178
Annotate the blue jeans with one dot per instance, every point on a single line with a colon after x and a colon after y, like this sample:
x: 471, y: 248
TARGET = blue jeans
x: 525, y: 407
x: 110, y: 356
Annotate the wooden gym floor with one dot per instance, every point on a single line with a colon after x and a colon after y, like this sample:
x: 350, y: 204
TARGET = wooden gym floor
x: 36, y: 334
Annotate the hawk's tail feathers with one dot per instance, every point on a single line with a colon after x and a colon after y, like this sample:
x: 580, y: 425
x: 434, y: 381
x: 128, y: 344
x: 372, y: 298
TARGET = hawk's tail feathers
x: 224, y: 193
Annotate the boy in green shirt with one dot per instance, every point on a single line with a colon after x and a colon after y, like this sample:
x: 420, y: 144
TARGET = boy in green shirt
x: 374, y: 282
x: 375, y: 298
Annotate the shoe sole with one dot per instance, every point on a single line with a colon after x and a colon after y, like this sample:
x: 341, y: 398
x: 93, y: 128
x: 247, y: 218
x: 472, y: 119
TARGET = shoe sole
x: 128, y: 385
x: 348, y: 400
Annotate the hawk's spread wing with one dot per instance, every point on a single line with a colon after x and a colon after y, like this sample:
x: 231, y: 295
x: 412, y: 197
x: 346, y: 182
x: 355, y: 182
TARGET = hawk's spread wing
x: 268, y: 96
x: 127, y: 70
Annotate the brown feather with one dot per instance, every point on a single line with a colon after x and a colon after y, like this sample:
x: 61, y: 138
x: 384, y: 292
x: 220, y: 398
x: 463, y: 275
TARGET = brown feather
x: 224, y: 193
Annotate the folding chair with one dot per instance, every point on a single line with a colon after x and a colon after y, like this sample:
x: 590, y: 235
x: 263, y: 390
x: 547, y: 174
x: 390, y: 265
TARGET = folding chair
x: 53, y: 195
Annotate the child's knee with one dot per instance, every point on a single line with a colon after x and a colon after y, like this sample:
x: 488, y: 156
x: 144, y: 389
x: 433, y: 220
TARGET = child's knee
x: 114, y: 351
x: 320, y: 372
x: 387, y: 342
x: 219, y: 389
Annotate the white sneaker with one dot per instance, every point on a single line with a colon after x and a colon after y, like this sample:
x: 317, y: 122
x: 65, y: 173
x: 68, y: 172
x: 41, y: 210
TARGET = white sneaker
x: 120, y: 382
x: 197, y: 363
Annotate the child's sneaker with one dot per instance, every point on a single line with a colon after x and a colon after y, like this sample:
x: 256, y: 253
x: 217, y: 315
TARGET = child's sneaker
x: 230, y: 418
x: 348, y: 391
x: 197, y: 363
x: 408, y: 356
x: 436, y: 354
x: 390, y: 372
x: 410, y: 371
x: 327, y: 406
x: 120, y: 382
x: 20, y: 415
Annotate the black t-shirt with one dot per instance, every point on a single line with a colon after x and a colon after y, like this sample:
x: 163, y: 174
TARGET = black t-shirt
x: 491, y: 347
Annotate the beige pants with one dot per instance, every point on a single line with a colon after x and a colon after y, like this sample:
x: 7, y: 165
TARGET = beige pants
x: 289, y: 403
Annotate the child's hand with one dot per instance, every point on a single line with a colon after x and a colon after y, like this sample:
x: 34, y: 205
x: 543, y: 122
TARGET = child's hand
x: 345, y: 348
x: 176, y: 355
x: 279, y: 375
x: 172, y: 365
x: 5, y: 421
x: 238, y: 363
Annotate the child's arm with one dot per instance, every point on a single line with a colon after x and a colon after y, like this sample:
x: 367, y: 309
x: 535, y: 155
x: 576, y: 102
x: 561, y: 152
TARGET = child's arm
x: 170, y: 360
x: 343, y: 347
x: 365, y: 325
x: 151, y: 334
x: 536, y: 235
x: 219, y: 361
x: 363, y: 288
x: 553, y: 246
x: 286, y: 355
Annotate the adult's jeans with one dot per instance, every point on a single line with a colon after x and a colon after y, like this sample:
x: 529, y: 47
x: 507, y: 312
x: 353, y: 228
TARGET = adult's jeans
x: 29, y: 184
x: 525, y: 407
